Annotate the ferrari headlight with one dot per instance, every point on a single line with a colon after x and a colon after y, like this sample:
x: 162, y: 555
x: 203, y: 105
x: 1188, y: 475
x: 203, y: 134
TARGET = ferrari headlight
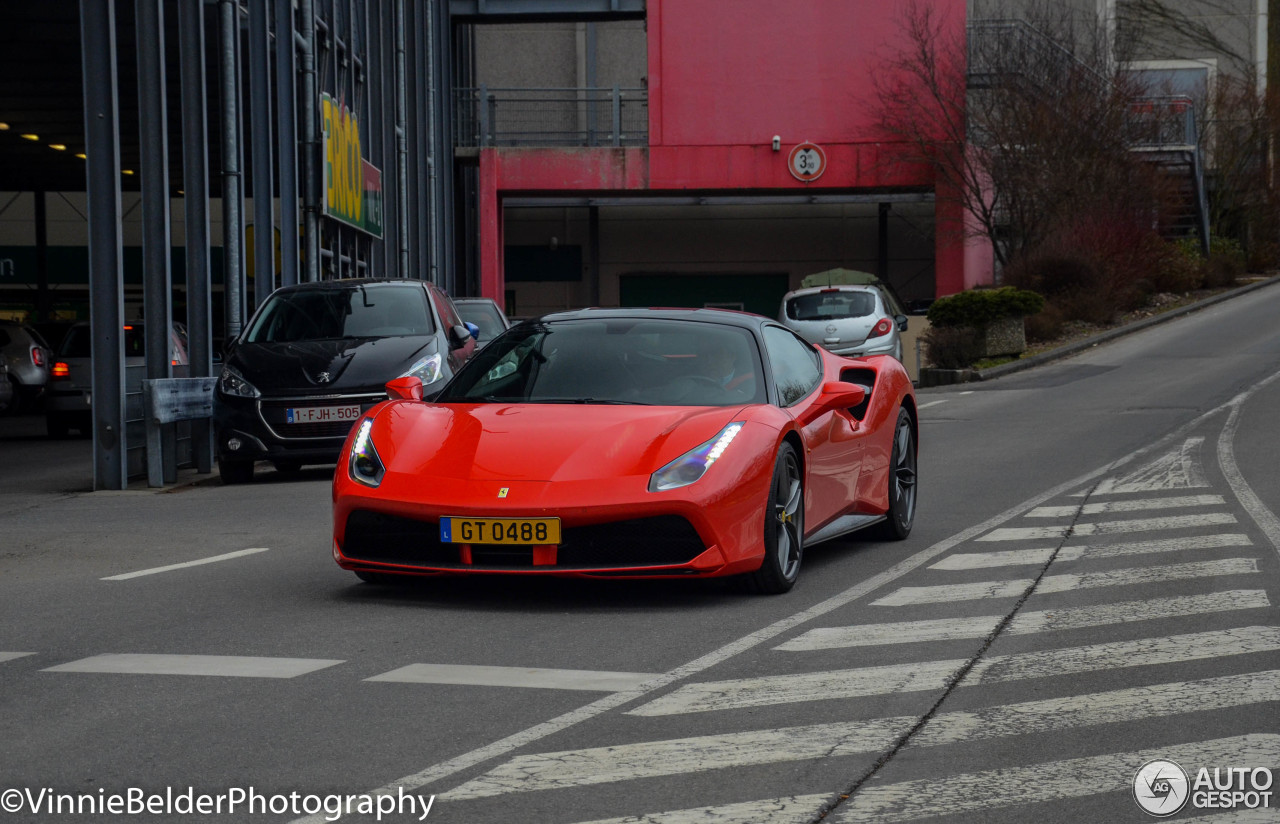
x: 693, y: 464
x: 365, y: 467
x: 233, y: 383
x: 426, y: 370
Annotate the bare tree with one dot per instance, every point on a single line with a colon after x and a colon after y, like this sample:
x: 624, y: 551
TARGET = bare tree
x: 1026, y: 120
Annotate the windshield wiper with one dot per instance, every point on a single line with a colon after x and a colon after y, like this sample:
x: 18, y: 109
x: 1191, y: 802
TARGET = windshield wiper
x: 601, y: 401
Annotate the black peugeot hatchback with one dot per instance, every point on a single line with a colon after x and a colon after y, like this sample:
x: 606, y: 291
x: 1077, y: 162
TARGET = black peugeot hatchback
x: 315, y: 356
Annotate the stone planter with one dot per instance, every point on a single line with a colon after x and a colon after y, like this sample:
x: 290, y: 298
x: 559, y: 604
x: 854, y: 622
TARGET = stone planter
x: 1003, y: 337
x: 932, y: 376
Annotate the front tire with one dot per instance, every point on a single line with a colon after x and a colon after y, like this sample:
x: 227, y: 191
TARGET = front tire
x: 902, y: 482
x: 235, y: 472
x: 783, y: 528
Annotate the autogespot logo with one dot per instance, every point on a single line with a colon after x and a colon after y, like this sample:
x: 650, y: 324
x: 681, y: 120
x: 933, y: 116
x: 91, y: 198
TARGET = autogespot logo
x: 1161, y: 788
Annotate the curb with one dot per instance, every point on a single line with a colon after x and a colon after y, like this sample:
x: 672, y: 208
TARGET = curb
x: 1119, y: 332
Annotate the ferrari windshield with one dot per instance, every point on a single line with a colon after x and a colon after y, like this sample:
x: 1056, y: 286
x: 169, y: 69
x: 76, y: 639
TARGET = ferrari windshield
x: 342, y: 312
x: 615, y: 360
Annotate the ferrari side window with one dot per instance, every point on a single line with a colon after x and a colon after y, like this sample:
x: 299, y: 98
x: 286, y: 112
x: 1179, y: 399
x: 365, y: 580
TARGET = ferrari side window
x: 796, y: 367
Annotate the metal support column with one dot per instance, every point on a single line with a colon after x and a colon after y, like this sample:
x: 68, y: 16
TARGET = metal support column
x: 195, y: 184
x: 106, y: 257
x: 882, y: 243
x: 44, y: 301
x: 310, y: 143
x: 232, y: 193
x: 287, y: 142
x: 263, y: 170
x: 153, y: 150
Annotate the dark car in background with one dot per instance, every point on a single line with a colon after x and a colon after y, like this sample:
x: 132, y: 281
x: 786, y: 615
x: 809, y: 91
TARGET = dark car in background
x: 69, y: 402
x: 315, y: 356
x: 485, y: 314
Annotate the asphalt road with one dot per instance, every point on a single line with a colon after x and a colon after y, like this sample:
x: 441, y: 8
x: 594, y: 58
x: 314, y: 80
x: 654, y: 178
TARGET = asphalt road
x: 1091, y: 585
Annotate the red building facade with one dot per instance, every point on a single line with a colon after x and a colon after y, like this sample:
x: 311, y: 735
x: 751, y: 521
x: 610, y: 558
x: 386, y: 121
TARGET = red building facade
x: 733, y: 88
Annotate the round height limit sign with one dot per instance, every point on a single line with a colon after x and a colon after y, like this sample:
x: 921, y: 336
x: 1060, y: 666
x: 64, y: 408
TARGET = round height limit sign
x: 807, y: 162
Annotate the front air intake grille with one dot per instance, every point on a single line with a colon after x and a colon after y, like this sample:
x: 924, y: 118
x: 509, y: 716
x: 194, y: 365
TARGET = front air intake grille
x: 665, y: 540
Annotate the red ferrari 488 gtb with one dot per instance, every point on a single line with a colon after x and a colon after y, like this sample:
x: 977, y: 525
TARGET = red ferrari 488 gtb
x: 636, y: 443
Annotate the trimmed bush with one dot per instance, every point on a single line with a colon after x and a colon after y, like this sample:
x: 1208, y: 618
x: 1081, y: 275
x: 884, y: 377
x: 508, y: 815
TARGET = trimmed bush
x: 979, y: 307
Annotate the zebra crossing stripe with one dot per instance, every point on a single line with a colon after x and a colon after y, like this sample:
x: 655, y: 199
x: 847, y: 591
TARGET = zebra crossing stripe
x: 946, y: 593
x: 1259, y: 816
x: 1038, y: 557
x: 801, y: 809
x: 769, y: 690
x: 223, y: 665
x: 1133, y: 505
x: 1179, y: 469
x: 522, y: 677
x: 951, y: 629
x: 681, y: 756
x: 1035, y: 533
x: 1039, y: 783
x: 795, y: 809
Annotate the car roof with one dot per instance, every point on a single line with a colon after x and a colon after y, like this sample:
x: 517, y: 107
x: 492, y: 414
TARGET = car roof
x: 840, y: 287
x: 350, y: 283
x: 475, y: 300
x: 725, y: 317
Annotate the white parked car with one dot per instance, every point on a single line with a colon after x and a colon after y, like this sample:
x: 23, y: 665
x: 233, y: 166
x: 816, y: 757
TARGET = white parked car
x: 846, y: 320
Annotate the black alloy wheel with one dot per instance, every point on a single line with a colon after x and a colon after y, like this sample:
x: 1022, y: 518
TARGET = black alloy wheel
x: 783, y: 528
x: 902, y: 482
x: 235, y: 472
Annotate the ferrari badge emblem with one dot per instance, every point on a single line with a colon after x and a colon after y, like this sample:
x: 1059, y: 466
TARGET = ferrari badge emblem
x: 502, y: 493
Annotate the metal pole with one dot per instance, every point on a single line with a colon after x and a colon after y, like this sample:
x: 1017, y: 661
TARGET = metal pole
x: 232, y: 218
x: 287, y: 143
x: 402, y: 148
x: 106, y: 257
x: 434, y: 222
x: 310, y: 144
x: 264, y: 223
x: 153, y: 136
x: 195, y: 177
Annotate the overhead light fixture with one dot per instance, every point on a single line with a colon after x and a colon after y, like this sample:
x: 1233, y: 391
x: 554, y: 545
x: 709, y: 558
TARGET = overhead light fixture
x: 126, y: 171
x: 81, y: 155
x: 31, y: 136
x: 59, y: 146
x: 4, y: 127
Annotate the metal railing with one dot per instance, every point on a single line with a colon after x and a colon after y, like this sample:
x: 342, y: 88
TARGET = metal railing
x: 486, y: 116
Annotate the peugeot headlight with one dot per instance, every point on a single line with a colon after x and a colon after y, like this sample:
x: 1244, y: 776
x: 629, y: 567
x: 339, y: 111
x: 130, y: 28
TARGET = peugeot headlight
x: 365, y: 465
x: 426, y: 370
x: 693, y: 464
x: 233, y: 383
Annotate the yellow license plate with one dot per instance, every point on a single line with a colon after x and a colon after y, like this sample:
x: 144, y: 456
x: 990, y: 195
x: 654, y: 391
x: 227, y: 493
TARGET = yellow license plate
x: 454, y: 530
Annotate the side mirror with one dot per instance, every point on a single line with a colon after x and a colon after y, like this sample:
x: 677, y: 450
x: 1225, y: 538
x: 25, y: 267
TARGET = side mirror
x: 834, y: 395
x: 902, y: 322
x: 459, y: 335
x: 473, y: 329
x: 408, y: 388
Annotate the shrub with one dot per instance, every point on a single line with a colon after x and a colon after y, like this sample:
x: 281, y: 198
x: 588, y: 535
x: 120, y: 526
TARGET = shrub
x: 979, y: 307
x: 1045, y: 325
x: 1226, y: 262
x: 950, y: 347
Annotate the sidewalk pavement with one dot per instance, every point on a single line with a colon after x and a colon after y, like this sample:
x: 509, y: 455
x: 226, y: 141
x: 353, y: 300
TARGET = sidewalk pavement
x: 1128, y: 329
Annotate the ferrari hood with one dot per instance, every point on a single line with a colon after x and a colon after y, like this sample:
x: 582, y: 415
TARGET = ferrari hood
x: 328, y: 365
x: 540, y: 442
